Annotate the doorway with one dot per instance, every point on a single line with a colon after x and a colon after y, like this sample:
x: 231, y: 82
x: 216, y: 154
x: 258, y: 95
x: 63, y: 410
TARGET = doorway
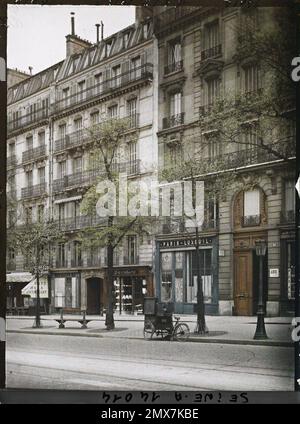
x: 243, y: 278
x: 94, y: 298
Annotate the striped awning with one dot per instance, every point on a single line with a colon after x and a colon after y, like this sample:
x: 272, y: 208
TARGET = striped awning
x: 19, y: 277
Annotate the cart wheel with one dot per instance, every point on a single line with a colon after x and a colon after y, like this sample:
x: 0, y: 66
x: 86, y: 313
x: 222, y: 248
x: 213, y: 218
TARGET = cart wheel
x: 181, y: 332
x: 149, y: 330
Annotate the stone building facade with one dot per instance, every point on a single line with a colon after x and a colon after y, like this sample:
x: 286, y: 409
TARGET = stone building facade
x: 165, y: 72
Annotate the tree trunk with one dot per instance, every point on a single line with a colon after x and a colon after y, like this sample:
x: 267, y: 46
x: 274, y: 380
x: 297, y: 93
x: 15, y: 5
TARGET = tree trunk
x: 37, y: 314
x: 109, y: 317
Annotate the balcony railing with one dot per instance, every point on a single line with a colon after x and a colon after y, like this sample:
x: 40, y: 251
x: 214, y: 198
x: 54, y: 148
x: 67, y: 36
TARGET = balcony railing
x: 61, y: 263
x: 94, y: 261
x: 251, y: 220
x: 90, y: 177
x: 79, y: 222
x: 174, y: 67
x: 166, y: 18
x: 33, y: 191
x: 75, y: 262
x: 173, y: 121
x: 11, y: 161
x: 143, y: 72
x: 287, y: 217
x: 28, y: 119
x: 131, y: 260
x: 33, y: 154
x: 211, y: 52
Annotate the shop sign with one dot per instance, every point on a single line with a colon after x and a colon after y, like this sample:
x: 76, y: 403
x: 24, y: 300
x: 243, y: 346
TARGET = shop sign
x: 184, y: 243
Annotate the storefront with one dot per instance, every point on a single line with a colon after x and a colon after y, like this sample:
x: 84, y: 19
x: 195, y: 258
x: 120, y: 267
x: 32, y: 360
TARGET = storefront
x: 288, y: 281
x: 176, y: 273
x: 66, y: 292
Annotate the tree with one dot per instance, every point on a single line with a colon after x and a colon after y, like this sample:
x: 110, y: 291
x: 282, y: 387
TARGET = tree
x: 35, y: 242
x: 108, y: 151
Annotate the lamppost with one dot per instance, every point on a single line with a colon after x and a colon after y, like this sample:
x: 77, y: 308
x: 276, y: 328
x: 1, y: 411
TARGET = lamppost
x: 260, y: 332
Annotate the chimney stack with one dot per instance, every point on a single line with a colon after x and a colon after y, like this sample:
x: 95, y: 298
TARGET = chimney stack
x: 30, y: 69
x: 72, y: 23
x: 102, y: 26
x: 97, y: 26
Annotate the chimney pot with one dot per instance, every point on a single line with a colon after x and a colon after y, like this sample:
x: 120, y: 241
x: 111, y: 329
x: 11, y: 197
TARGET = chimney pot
x: 72, y: 23
x: 97, y: 26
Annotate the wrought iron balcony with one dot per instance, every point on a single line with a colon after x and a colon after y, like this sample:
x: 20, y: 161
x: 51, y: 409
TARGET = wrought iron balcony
x: 28, y: 119
x: 165, y: 19
x: 76, y: 138
x: 173, y: 121
x: 33, y: 154
x: 79, y: 222
x: 61, y: 263
x: 74, y: 180
x: 211, y: 52
x: 174, y: 67
x: 251, y: 220
x: 287, y: 217
x: 11, y: 161
x: 141, y: 73
x: 75, y: 262
x: 33, y: 191
x: 93, y: 261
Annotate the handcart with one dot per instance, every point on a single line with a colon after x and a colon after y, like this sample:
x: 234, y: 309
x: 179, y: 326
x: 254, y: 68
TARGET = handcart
x: 159, y: 321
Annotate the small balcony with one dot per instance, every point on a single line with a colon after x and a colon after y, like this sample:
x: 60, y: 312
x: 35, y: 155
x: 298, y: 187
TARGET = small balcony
x: 133, y: 120
x: 76, y: 262
x: 174, y: 67
x: 75, y: 180
x: 80, y: 222
x: 128, y: 260
x: 27, y: 120
x: 288, y: 217
x: 33, y: 191
x: 94, y: 262
x: 251, y: 221
x: 11, y: 161
x: 142, y: 73
x: 61, y: 263
x: 34, y: 154
x: 173, y: 121
x: 211, y: 52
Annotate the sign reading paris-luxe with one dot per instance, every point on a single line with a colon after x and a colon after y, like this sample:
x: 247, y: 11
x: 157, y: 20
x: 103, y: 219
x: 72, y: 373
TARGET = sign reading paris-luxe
x: 182, y: 243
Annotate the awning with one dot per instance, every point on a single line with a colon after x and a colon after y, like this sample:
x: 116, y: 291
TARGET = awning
x: 30, y: 289
x: 19, y: 277
x: 67, y: 199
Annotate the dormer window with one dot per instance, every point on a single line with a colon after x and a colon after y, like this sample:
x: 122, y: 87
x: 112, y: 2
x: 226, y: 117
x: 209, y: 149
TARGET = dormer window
x: 108, y: 47
x: 125, y: 39
x: 146, y: 27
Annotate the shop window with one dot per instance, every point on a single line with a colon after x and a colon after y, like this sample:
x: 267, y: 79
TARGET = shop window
x: 166, y: 277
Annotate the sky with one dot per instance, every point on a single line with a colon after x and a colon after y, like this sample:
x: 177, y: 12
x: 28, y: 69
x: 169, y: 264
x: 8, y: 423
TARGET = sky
x: 36, y: 34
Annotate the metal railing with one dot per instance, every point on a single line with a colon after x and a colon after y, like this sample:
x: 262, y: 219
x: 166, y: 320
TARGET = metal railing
x: 79, y: 222
x: 33, y: 191
x: 61, y: 263
x: 90, y: 177
x: 251, y: 220
x: 93, y: 261
x: 287, y: 217
x: 127, y: 260
x: 33, y: 154
x: 28, y: 119
x: 75, y: 262
x: 211, y: 52
x: 106, y: 87
x: 166, y: 18
x: 173, y: 67
x: 173, y: 121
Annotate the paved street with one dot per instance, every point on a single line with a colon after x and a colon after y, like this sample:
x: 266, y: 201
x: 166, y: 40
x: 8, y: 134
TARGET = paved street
x: 114, y: 363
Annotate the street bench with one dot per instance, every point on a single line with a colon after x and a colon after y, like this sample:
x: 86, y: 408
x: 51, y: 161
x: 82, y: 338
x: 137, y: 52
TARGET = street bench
x: 83, y: 321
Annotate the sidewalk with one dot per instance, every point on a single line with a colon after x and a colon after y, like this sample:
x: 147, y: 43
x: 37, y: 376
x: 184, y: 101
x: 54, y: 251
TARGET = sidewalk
x: 222, y: 329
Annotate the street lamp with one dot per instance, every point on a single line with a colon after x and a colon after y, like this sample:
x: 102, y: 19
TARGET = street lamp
x: 260, y: 332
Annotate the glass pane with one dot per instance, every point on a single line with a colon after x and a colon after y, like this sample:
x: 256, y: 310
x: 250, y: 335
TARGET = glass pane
x: 166, y: 277
x: 251, y: 203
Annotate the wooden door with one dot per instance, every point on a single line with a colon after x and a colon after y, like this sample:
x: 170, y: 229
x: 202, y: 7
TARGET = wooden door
x: 243, y: 279
x: 93, y: 296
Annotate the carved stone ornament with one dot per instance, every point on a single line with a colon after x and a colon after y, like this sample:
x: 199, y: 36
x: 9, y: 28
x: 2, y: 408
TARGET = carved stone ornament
x: 28, y: 167
x: 41, y: 164
x: 61, y: 158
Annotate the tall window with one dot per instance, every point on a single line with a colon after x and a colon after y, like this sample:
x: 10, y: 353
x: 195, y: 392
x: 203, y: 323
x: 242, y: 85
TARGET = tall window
x: 108, y: 48
x: 62, y: 129
x: 212, y: 35
x: 29, y: 142
x: 76, y: 253
x: 251, y: 207
x: 132, y: 249
x: 41, y: 138
x: 41, y: 175
x: 99, y: 83
x: 116, y: 76
x: 11, y: 149
x: 61, y: 255
x: 77, y: 165
x: 174, y: 55
x: 61, y: 212
x: 213, y: 90
x: 175, y: 104
x: 132, y: 158
x: 78, y: 129
x: 95, y: 118
x: 81, y: 90
x: 250, y: 137
x: 135, y: 68
x: 252, y: 79
x: 62, y: 169
x: 65, y: 95
x: 29, y: 178
x: 131, y: 112
x: 166, y: 277
x: 113, y: 111
x: 214, y: 146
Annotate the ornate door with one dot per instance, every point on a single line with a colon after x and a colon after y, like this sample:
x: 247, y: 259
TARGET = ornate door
x: 243, y: 277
